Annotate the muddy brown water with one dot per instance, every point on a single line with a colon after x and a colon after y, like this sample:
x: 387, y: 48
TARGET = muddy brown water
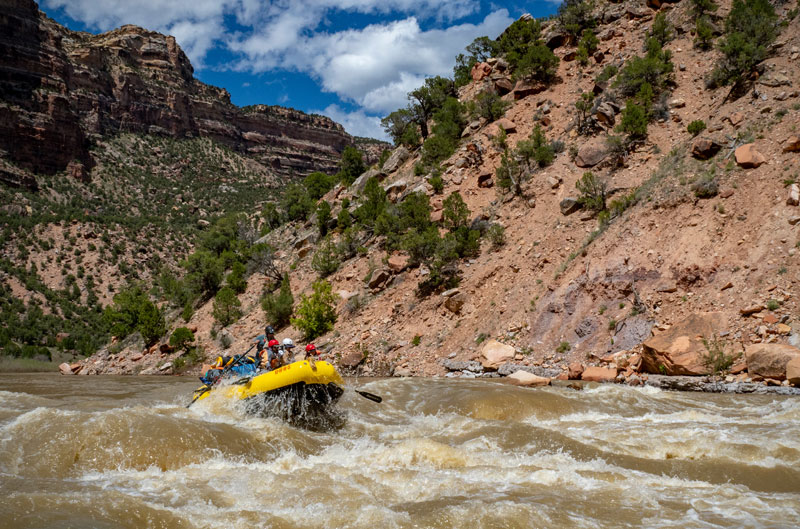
x: 124, y: 452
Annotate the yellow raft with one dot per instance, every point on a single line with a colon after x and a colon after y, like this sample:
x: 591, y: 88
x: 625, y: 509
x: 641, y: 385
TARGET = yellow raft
x: 291, y: 392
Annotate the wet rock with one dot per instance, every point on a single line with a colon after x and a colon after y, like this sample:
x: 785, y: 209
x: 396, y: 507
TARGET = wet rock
x: 523, y: 378
x: 705, y: 148
x: 65, y: 369
x: 793, y: 371
x: 769, y: 360
x: 494, y: 353
x: 460, y: 365
x: 510, y: 368
x: 712, y: 385
x: 352, y: 359
x: 398, y: 157
x: 748, y: 157
x: 680, y: 349
x: 402, y: 372
x: 599, y: 374
x: 575, y: 371
x: 591, y: 153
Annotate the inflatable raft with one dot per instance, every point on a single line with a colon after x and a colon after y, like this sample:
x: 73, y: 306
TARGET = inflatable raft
x: 298, y: 392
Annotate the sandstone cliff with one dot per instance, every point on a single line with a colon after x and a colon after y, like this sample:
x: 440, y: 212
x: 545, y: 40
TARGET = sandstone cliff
x: 60, y: 89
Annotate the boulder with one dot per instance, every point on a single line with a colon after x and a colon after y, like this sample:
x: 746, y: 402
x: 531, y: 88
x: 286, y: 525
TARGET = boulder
x: 794, y: 195
x: 379, y: 278
x: 506, y: 124
x: 769, y: 360
x: 605, y: 114
x: 736, y: 118
x: 591, y: 153
x: 454, y: 303
x: 361, y: 182
x: 394, y: 162
x: 523, y: 378
x: 680, y: 349
x: 792, y: 144
x: 599, y: 56
x: 65, y: 369
x: 569, y: 205
x: 705, y: 148
x: 575, y: 371
x: 394, y: 189
x: 793, y: 371
x: 480, y: 71
x: 557, y: 38
x: 485, y: 180
x: 524, y: 89
x: 653, y: 4
x: 599, y: 374
x: 748, y: 157
x: 351, y: 359
x: 503, y: 85
x: 494, y: 354
x: 397, y: 262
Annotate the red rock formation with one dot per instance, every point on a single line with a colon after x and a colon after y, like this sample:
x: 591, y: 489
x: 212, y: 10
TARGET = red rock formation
x: 59, y: 88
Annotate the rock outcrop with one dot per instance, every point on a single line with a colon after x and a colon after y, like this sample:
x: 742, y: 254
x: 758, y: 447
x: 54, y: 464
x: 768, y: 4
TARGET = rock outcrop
x: 62, y: 88
x: 680, y: 350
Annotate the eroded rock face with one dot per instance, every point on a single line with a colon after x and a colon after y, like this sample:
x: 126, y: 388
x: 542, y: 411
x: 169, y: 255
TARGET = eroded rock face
x: 680, y: 350
x: 64, y: 87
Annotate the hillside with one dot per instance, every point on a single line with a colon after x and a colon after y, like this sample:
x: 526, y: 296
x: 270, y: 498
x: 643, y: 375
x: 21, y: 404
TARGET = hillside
x: 696, y: 237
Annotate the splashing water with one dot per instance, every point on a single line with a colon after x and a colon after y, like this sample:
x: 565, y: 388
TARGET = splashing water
x: 125, y: 452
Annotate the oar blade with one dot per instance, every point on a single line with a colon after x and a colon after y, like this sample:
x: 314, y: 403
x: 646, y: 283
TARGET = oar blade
x: 370, y: 396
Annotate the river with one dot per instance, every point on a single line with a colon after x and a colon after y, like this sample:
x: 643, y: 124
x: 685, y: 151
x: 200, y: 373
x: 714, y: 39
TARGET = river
x: 119, y: 452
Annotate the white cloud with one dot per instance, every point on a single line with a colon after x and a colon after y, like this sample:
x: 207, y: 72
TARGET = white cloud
x: 374, y: 66
x: 357, y: 123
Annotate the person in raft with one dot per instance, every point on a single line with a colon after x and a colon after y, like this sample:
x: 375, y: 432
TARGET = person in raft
x: 262, y: 340
x: 311, y: 352
x: 274, y: 357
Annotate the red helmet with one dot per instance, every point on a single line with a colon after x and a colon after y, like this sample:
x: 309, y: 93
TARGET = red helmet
x: 273, y: 343
x: 310, y: 347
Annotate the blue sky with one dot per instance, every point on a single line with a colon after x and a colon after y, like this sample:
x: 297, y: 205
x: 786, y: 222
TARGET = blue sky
x: 352, y: 60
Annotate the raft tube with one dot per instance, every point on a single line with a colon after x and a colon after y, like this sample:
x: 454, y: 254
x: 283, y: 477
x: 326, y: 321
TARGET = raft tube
x: 291, y: 390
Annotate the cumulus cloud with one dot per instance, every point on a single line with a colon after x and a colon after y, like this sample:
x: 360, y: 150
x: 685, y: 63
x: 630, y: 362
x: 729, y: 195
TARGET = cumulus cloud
x: 356, y: 123
x: 374, y: 66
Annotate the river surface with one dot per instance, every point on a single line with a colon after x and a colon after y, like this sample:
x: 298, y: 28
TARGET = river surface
x: 111, y: 452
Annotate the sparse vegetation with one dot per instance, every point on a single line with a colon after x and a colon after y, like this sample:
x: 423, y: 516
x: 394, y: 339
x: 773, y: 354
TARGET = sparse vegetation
x: 716, y: 358
x: 316, y: 313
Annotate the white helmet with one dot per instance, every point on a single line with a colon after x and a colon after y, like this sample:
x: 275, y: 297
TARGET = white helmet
x: 288, y: 343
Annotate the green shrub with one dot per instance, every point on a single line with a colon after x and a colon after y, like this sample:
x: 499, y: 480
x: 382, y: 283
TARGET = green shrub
x: 344, y: 219
x: 401, y: 126
x: 455, y: 212
x: 662, y: 29
x: 574, y: 16
x: 181, y: 338
x: 296, y: 203
x: 496, y: 235
x: 715, y: 358
x: 351, y: 165
x: 706, y: 187
x: 608, y: 72
x: 326, y: 259
x: 450, y: 119
x: 593, y: 192
x: 323, y: 217
x: 773, y: 305
x: 478, y: 50
x: 316, y: 314
x: 488, y: 105
x: 236, y: 279
x: 317, y: 184
x: 437, y: 183
x: 654, y: 69
x: 704, y: 33
x: 374, y: 203
x: 539, y: 63
x: 750, y: 29
x: 416, y: 340
x: 563, y: 347
x: 133, y: 311
x: 634, y: 120
x: 226, y: 307
x: 587, y: 46
x: 279, y: 307
x: 437, y: 148
x: 696, y: 127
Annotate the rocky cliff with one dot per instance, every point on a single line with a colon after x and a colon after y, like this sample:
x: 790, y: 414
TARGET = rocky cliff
x: 60, y: 89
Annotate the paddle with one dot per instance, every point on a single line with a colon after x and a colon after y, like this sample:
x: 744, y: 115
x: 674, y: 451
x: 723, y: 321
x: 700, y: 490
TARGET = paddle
x: 225, y: 371
x: 370, y: 396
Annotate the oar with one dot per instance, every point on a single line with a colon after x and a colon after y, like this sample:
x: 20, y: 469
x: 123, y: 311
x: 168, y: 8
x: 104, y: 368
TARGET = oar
x: 370, y: 396
x: 225, y: 371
